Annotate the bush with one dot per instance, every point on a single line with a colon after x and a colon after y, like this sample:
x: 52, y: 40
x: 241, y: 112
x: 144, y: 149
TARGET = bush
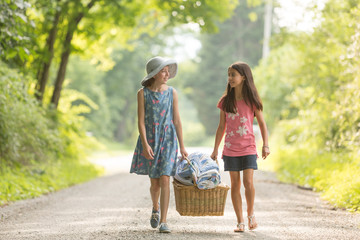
x: 41, y: 150
x: 316, y: 105
x: 333, y: 174
x: 25, y: 132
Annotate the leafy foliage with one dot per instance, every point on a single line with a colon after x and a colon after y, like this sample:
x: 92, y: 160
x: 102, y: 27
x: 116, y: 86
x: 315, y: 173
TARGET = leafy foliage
x: 14, y: 23
x: 25, y: 132
x: 85, y: 78
x: 39, y: 150
x: 332, y: 174
x: 31, y: 135
x: 316, y: 100
x: 19, y: 182
x: 218, y: 51
x: 205, y: 13
x: 275, y: 78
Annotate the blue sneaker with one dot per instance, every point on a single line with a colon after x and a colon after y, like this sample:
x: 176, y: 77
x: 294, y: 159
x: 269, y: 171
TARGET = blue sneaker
x: 155, y: 218
x: 164, y: 228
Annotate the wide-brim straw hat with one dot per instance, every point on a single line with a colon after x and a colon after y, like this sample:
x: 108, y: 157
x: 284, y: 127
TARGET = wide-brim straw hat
x: 155, y: 64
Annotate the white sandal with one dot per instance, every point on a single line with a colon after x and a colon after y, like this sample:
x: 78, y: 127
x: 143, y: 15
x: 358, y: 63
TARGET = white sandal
x: 240, y: 227
x: 251, y: 222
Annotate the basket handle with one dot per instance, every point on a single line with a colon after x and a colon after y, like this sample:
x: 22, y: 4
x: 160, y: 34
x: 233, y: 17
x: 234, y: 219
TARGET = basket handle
x: 217, y: 162
x: 188, y: 161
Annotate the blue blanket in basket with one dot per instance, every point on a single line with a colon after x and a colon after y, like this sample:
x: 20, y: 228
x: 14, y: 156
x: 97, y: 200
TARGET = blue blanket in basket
x: 203, y: 169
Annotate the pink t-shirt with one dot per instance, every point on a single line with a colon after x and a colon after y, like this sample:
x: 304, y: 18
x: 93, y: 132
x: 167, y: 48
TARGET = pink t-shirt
x: 239, y: 135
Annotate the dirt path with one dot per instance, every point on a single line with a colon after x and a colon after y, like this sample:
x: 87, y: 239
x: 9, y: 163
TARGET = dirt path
x: 117, y: 206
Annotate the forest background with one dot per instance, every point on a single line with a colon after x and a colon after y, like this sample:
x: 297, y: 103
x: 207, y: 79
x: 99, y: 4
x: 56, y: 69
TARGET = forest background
x: 70, y: 70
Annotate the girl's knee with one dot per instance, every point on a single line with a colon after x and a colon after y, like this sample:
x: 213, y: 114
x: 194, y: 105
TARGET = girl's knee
x: 155, y: 184
x: 164, y: 181
x: 248, y: 183
x: 155, y: 187
x: 235, y: 185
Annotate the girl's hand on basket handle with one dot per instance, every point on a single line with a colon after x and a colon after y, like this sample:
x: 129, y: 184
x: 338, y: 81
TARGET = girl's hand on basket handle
x: 184, y: 153
x: 148, y: 152
x: 214, y: 155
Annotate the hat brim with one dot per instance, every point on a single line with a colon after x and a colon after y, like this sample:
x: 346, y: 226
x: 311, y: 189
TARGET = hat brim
x: 172, y: 70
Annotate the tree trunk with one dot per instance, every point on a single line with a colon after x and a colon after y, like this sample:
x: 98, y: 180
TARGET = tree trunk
x: 62, y: 68
x: 44, y: 70
x: 65, y: 55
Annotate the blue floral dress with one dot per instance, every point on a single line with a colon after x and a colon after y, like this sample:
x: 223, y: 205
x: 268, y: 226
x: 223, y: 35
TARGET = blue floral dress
x: 160, y: 134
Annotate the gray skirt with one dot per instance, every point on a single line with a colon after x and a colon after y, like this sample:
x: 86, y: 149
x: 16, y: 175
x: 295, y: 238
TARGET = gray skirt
x: 240, y: 163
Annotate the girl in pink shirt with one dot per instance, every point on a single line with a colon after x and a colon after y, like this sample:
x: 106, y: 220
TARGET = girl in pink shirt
x: 238, y: 107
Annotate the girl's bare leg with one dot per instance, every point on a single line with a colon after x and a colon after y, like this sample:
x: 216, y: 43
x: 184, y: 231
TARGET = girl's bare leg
x: 164, y: 197
x: 155, y: 192
x: 236, y: 196
x: 248, y: 179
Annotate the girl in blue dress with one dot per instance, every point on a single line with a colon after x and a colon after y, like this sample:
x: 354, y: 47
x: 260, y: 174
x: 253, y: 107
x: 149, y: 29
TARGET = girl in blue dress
x: 160, y: 131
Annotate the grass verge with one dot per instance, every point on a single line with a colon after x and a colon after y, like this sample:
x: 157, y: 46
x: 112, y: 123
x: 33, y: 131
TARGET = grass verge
x: 23, y: 182
x: 334, y: 175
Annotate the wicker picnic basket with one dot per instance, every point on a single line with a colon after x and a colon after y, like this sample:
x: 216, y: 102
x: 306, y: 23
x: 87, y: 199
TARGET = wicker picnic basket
x: 192, y: 201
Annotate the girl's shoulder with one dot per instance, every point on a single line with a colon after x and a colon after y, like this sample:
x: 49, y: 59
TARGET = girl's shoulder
x: 173, y: 91
x: 221, y: 100
x: 140, y: 91
x: 220, y: 103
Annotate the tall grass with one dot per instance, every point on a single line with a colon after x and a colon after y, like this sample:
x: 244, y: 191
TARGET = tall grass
x: 334, y: 174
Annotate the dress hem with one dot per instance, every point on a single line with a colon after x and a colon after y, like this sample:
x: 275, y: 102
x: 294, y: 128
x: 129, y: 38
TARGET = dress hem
x: 170, y: 175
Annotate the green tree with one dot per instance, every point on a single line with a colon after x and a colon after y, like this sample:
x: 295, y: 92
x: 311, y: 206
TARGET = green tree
x: 238, y: 39
x: 311, y: 84
x: 123, y: 81
x: 275, y: 82
x: 87, y: 79
x: 100, y: 20
x: 52, y: 12
x: 327, y: 72
x: 14, y: 25
x: 114, y: 91
x: 309, y: 77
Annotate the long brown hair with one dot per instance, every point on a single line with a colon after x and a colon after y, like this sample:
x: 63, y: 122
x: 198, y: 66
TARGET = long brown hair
x: 248, y: 92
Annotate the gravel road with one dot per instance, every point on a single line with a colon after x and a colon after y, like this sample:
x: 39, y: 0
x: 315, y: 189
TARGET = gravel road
x: 118, y: 205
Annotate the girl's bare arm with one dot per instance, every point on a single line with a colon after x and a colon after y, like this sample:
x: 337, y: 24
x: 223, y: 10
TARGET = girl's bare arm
x: 147, y: 151
x: 177, y: 124
x: 264, y: 133
x: 219, y: 134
